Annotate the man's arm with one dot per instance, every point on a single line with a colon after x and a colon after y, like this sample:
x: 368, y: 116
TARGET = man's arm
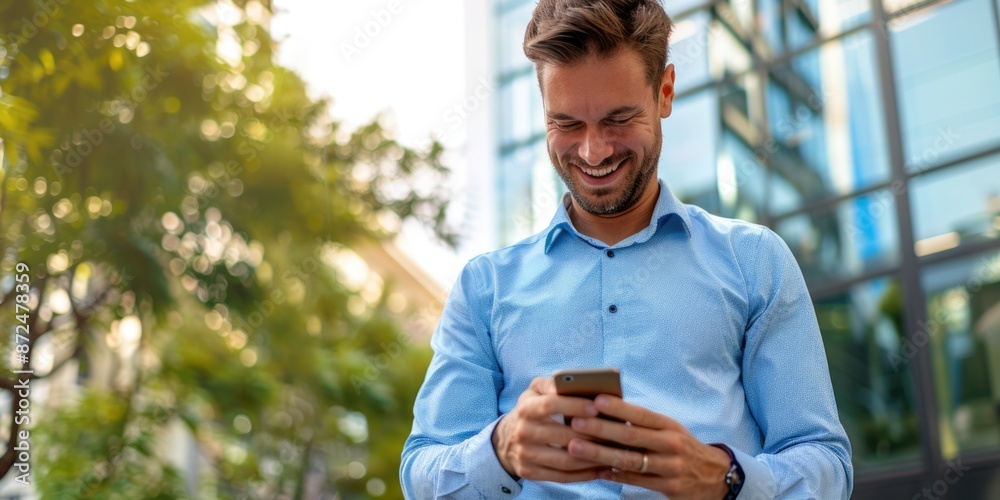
x: 806, y: 453
x: 449, y: 451
x: 458, y: 438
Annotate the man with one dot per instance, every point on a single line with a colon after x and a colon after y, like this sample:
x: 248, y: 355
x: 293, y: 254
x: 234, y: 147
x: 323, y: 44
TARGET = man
x: 726, y: 387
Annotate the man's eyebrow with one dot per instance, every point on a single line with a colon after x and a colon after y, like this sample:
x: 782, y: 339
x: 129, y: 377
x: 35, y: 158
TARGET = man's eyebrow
x: 621, y: 110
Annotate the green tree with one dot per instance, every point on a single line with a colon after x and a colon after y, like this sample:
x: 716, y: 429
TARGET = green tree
x: 178, y: 200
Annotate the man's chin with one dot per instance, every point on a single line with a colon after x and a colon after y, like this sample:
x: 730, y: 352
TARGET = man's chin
x: 599, y: 205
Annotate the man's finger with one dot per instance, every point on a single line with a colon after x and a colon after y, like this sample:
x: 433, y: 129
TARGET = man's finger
x: 552, y: 404
x: 613, y: 457
x: 637, y: 415
x: 629, y: 435
x: 543, y: 385
x: 553, y: 458
x: 647, y: 481
x: 546, y: 474
x: 546, y: 432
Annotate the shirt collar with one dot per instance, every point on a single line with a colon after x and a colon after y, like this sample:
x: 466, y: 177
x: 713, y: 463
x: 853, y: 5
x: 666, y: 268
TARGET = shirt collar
x: 666, y: 205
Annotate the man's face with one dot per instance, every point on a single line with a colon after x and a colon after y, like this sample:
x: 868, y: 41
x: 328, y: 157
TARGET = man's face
x: 603, y: 128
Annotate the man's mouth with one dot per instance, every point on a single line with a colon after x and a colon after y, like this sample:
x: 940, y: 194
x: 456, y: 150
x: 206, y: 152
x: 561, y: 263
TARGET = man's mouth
x: 600, y: 172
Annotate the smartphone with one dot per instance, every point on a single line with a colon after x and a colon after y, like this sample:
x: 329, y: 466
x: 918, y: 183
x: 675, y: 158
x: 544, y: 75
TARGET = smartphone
x: 588, y: 383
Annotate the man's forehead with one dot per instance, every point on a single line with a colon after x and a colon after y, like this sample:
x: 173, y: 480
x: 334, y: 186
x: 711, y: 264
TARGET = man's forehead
x: 598, y: 85
x: 618, y: 111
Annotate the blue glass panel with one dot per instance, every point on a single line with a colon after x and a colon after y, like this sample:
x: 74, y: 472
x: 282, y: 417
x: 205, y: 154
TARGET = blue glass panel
x: 947, y: 71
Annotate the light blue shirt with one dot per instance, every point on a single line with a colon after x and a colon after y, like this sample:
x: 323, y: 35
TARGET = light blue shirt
x: 708, y: 319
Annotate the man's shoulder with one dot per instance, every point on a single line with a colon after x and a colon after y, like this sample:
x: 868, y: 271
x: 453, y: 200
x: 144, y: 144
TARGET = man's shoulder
x: 751, y: 245
x: 513, y: 253
x: 714, y: 226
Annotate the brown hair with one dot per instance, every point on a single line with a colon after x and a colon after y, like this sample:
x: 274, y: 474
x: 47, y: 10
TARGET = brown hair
x: 566, y: 31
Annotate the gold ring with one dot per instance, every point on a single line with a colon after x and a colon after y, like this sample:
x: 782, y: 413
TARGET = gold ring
x: 645, y: 464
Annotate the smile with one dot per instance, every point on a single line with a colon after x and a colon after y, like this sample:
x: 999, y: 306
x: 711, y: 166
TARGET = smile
x: 593, y: 172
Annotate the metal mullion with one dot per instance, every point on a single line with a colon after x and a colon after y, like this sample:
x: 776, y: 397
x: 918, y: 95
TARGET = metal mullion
x: 806, y: 13
x: 701, y: 87
x: 996, y: 18
x: 982, y: 153
x: 773, y: 62
x: 511, y: 75
x: 958, y: 252
x: 914, y: 309
x: 840, y: 287
x: 512, y: 146
x: 827, y: 203
x: 788, y: 56
x: 905, y: 472
x: 913, y: 8
x: 831, y: 202
x: 763, y: 81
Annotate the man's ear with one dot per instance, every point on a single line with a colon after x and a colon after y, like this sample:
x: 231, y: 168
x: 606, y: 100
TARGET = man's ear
x: 665, y: 94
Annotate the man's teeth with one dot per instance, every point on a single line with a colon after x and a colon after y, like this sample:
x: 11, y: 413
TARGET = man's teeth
x: 599, y: 173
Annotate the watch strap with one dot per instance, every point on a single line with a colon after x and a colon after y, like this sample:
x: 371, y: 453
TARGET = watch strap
x: 735, y: 476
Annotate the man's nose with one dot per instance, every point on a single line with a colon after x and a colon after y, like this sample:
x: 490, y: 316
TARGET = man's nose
x: 595, y: 149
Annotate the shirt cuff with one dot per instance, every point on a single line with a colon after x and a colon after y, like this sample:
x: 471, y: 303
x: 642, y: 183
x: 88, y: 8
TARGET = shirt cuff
x: 485, y: 473
x: 758, y: 481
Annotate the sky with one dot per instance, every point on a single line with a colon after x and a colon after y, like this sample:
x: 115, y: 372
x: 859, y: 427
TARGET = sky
x: 405, y: 57
x: 402, y: 58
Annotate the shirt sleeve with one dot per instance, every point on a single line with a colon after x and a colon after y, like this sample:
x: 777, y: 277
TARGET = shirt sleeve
x: 449, y: 453
x: 786, y: 378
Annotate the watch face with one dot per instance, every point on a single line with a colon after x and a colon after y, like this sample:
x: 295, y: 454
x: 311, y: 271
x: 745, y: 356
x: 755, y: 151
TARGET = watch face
x: 733, y: 478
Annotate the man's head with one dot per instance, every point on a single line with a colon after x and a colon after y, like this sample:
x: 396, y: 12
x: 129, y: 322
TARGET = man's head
x: 605, y: 86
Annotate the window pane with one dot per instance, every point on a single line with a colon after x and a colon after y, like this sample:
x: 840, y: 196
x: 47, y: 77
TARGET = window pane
x: 963, y: 330
x: 957, y: 205
x: 677, y: 6
x: 689, y: 51
x: 859, y: 235
x: 769, y: 17
x: 690, y: 140
x: 800, y: 27
x: 891, y: 6
x: 545, y: 189
x: 515, y: 200
x: 707, y: 166
x: 825, y: 119
x: 740, y: 180
x: 519, y: 117
x: 727, y: 54
x: 862, y: 331
x: 948, y: 80
x: 797, y: 24
x: 512, y: 25
x: 840, y: 15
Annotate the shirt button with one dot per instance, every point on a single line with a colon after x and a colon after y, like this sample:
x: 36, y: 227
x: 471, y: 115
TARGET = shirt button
x: 505, y: 489
x: 611, y: 253
x: 613, y: 308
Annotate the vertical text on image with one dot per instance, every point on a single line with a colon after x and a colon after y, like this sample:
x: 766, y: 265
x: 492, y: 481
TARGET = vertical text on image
x: 22, y: 352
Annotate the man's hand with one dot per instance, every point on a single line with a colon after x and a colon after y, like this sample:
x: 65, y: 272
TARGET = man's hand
x: 678, y: 465
x: 524, y: 437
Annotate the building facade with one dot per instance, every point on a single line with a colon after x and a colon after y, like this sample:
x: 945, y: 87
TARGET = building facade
x: 866, y: 133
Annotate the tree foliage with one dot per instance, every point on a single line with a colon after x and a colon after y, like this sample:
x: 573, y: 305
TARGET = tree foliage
x: 181, y: 204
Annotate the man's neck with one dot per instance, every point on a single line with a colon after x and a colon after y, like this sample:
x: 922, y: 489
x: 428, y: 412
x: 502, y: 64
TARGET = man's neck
x: 610, y: 229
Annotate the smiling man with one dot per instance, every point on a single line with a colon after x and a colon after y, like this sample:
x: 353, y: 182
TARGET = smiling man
x: 726, y: 384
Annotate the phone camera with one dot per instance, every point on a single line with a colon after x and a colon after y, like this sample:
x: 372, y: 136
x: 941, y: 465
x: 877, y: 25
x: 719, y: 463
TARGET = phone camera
x: 568, y: 378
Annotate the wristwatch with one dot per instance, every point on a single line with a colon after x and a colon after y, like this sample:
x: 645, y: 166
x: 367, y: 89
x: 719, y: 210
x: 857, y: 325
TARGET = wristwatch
x: 735, y: 476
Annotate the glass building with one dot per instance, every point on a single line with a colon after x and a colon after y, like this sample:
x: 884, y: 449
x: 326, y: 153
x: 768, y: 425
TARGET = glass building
x: 867, y: 134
